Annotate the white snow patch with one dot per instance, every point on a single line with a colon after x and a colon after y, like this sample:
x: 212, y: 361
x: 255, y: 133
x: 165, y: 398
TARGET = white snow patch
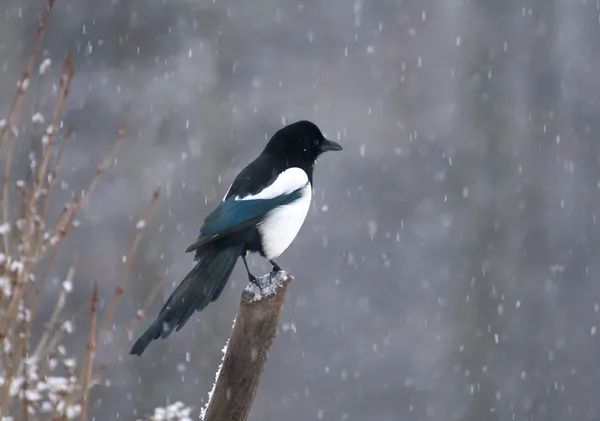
x: 67, y: 286
x: 212, y: 391
x: 68, y: 327
x: 16, y: 266
x: 72, y: 411
x: 175, y: 411
x: 24, y: 84
x: 287, y: 327
x: 4, y: 228
x: 372, y: 225
x: 44, y: 66
x: 268, y: 285
x: 38, y: 118
x: 6, y: 288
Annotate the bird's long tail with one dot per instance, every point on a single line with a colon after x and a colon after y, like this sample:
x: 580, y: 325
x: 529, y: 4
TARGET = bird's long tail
x: 203, y: 284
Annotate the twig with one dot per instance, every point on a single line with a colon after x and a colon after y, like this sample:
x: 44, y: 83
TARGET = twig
x: 63, y: 224
x: 108, y: 161
x: 46, y: 272
x: 49, y: 140
x: 13, y: 114
x: 49, y: 352
x: 8, y: 376
x: 63, y: 93
x: 14, y: 364
x: 58, y: 307
x: 254, y: 331
x: 91, y: 350
x: 33, y: 221
x: 25, y: 335
x: 120, y: 288
x: 53, y: 176
x: 63, y: 221
x: 134, y: 322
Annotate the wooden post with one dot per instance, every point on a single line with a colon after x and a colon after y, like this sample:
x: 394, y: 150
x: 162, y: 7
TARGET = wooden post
x: 253, y: 333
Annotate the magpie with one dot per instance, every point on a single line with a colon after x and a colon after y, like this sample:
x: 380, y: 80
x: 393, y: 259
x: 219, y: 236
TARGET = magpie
x: 261, y: 212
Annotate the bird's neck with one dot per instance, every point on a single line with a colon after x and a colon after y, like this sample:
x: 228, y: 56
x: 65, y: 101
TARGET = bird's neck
x: 309, y: 173
x: 307, y: 167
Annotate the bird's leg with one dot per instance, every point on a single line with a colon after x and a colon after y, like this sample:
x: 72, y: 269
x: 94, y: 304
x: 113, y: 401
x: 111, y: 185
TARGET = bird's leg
x: 251, y: 277
x: 276, y: 267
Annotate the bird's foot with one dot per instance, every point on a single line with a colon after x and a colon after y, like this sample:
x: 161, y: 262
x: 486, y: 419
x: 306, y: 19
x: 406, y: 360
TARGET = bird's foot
x: 276, y: 268
x: 254, y: 280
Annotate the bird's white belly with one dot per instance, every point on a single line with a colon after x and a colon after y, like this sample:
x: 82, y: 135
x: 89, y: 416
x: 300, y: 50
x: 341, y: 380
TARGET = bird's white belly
x: 282, y: 224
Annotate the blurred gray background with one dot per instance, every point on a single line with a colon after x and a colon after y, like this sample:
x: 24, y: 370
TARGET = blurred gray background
x: 448, y: 269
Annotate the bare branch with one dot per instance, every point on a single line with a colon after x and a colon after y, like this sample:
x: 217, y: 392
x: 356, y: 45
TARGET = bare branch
x: 58, y: 308
x: 13, y: 114
x: 91, y: 350
x: 120, y: 288
x: 33, y: 221
x: 141, y: 313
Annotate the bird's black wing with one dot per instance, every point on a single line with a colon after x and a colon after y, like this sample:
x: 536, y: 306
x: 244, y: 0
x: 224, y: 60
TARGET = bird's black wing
x: 233, y: 216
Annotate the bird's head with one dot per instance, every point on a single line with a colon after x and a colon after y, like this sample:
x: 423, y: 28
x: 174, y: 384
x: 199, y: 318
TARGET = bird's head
x: 300, y: 144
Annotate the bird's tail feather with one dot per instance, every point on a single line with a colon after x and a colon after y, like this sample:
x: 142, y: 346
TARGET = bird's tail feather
x: 203, y: 284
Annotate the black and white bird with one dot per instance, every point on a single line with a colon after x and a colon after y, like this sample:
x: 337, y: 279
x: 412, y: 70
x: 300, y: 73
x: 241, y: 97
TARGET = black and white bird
x: 261, y: 212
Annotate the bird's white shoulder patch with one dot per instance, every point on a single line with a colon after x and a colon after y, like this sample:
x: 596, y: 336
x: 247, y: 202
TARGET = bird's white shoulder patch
x: 288, y: 181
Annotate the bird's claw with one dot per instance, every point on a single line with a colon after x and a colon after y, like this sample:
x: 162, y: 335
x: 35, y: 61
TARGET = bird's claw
x: 254, y: 280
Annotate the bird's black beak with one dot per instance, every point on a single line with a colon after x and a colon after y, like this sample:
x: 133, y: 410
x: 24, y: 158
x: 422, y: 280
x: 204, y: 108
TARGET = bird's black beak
x: 330, y: 145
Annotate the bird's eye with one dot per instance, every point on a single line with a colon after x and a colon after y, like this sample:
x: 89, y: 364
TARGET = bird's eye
x: 316, y: 142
